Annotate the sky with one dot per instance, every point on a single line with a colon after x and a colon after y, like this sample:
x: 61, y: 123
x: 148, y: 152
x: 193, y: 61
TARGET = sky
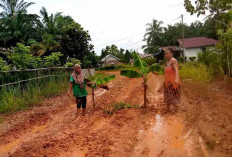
x: 119, y: 22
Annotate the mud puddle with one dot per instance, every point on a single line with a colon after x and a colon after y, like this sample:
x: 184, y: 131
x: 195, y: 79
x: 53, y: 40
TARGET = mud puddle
x: 164, y: 137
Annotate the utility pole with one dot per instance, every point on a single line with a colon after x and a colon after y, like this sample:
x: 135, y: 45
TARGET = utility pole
x: 182, y: 20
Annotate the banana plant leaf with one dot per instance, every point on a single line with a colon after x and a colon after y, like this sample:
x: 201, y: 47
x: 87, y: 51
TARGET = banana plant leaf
x: 140, y: 64
x: 130, y: 73
x: 109, y: 78
x: 100, y: 80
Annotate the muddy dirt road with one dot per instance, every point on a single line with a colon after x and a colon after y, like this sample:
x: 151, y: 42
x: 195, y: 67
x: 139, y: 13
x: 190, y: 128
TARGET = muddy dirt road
x: 202, y: 127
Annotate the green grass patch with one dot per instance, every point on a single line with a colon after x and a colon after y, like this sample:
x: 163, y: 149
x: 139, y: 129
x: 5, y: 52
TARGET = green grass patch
x: 196, y: 72
x: 20, y: 97
x: 118, y: 106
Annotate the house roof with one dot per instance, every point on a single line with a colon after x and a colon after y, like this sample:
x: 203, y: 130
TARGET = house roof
x: 198, y: 42
x: 103, y: 59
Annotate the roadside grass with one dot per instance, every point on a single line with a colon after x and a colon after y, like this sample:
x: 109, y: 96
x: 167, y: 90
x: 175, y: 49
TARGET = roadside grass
x: 117, y: 106
x: 195, y: 72
x: 20, y: 97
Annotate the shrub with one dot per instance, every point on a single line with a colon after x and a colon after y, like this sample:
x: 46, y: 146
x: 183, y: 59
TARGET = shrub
x: 72, y: 62
x: 3, y: 65
x: 195, y: 72
x: 53, y: 60
x: 20, y: 56
x: 192, y: 59
x: 149, y: 61
x: 212, y: 60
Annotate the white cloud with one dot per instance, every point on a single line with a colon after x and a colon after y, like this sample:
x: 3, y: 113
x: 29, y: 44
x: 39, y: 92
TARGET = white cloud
x: 112, y: 20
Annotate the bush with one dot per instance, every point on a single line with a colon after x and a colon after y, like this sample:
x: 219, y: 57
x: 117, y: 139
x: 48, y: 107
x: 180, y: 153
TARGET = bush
x: 192, y: 59
x: 72, y: 62
x: 3, y: 65
x: 20, y: 56
x: 53, y: 60
x: 149, y: 61
x: 213, y: 61
x: 195, y: 72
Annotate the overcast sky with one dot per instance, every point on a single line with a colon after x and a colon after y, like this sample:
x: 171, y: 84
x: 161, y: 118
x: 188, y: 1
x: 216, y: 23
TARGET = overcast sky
x: 114, y: 20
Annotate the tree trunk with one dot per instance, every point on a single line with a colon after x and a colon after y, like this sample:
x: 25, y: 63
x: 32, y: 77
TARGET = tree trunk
x: 145, y: 95
x: 93, y: 98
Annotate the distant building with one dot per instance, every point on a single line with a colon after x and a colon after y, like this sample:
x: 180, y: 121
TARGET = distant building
x: 110, y: 60
x: 192, y: 46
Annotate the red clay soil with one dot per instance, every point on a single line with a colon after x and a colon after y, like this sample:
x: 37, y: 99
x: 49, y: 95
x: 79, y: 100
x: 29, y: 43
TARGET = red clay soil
x: 202, y: 127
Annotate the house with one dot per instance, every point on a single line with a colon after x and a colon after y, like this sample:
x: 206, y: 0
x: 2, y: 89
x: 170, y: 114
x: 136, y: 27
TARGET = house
x: 192, y: 46
x: 110, y: 60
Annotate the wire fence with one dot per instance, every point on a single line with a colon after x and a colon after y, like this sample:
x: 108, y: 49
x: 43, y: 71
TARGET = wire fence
x: 20, y: 76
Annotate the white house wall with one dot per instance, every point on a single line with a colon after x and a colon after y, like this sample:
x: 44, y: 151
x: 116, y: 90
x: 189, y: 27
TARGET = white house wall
x: 192, y: 52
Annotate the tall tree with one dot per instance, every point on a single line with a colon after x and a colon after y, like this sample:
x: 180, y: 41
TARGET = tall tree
x: 13, y: 7
x: 153, y: 37
x: 16, y: 24
x: 214, y: 6
x: 75, y: 42
x: 53, y: 23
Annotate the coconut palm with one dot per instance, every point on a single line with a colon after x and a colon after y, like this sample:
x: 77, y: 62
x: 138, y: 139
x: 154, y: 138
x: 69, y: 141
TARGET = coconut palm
x: 53, y: 23
x: 153, y: 36
x: 12, y: 7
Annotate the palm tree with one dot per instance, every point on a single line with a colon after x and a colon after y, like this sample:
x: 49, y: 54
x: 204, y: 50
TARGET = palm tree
x: 153, y: 36
x: 12, y: 7
x: 53, y: 23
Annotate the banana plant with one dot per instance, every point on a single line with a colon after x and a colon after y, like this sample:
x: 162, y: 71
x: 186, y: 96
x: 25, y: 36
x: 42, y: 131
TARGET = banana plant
x: 141, y: 69
x: 100, y: 82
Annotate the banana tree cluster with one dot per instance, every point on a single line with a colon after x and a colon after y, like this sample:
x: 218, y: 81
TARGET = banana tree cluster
x: 141, y: 69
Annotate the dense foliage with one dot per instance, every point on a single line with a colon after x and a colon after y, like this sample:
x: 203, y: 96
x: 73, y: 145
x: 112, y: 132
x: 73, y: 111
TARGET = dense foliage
x: 158, y: 36
x: 43, y: 35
